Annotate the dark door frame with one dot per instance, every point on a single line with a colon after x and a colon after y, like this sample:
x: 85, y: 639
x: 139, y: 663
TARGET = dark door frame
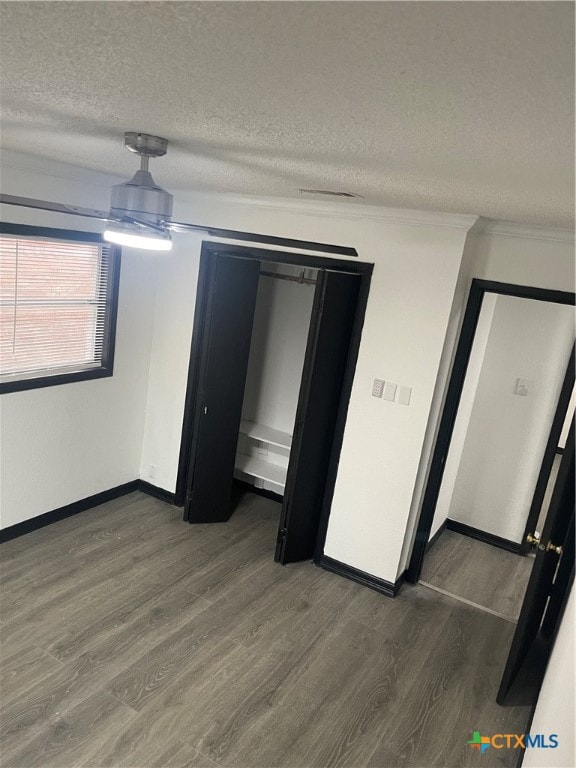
x: 209, y: 251
x: 478, y: 289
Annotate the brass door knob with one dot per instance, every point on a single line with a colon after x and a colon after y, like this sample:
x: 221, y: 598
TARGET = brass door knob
x: 533, y: 538
x: 554, y: 548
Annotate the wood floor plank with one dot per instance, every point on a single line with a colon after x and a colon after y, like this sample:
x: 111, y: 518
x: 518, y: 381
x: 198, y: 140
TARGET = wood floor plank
x: 456, y: 695
x: 128, y: 627
x: 139, y: 745
x: 149, y: 675
x: 102, y: 588
x: 71, y: 739
x: 22, y: 669
x: 133, y: 640
x: 61, y: 537
x: 479, y: 572
x: 55, y: 580
x: 252, y: 672
x: 340, y: 693
x: 23, y: 715
x: 359, y: 719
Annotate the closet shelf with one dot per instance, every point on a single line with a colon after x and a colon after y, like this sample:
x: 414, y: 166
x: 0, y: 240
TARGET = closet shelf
x: 266, y: 434
x: 262, y: 469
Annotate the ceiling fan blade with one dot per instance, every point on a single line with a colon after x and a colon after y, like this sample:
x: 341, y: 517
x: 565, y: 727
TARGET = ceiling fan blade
x: 178, y: 226
x: 285, y: 242
x: 44, y: 205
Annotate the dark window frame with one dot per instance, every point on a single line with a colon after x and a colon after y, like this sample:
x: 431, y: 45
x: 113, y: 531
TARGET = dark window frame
x: 106, y: 368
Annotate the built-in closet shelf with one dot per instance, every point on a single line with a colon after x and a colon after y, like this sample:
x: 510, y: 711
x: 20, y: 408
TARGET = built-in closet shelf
x: 262, y: 469
x: 266, y: 434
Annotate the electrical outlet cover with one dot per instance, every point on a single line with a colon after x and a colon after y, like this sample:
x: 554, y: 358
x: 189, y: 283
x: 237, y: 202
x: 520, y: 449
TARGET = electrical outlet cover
x: 377, y: 388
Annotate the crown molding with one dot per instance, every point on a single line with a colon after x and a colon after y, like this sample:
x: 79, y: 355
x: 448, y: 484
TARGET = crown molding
x: 334, y: 210
x: 528, y: 231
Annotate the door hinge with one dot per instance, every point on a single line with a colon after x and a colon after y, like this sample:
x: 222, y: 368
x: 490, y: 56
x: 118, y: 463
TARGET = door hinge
x: 282, y: 534
x: 189, y: 495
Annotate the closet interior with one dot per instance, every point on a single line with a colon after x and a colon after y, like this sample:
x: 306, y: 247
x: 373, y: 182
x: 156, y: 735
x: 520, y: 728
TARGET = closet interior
x: 279, y: 337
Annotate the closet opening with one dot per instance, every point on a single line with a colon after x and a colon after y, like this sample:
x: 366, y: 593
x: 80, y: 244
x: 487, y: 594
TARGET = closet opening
x: 274, y: 349
x: 279, y: 336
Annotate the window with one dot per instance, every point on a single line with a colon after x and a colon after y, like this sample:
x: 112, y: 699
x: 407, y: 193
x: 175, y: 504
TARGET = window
x: 58, y: 299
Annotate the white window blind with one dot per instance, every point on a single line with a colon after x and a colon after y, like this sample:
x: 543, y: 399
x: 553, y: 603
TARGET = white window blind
x: 53, y: 306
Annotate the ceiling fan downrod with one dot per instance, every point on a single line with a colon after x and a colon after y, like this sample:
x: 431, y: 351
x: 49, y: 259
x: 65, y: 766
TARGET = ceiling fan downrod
x: 141, y: 198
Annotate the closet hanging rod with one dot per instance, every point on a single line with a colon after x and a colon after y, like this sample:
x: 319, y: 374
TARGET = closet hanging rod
x: 291, y: 278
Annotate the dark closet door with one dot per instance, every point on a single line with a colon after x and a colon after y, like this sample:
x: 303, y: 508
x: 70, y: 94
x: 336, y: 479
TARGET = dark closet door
x: 333, y: 315
x: 549, y: 584
x: 225, y: 347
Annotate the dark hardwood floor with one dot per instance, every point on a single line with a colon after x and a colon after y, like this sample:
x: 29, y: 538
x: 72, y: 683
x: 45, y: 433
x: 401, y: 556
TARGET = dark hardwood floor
x: 131, y: 639
x: 481, y: 573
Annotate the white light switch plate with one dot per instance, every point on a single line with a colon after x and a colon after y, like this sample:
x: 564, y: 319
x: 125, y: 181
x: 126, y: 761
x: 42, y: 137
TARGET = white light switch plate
x: 404, y: 395
x: 389, y: 391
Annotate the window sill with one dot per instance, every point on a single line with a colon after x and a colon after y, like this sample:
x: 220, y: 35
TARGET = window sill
x: 54, y: 380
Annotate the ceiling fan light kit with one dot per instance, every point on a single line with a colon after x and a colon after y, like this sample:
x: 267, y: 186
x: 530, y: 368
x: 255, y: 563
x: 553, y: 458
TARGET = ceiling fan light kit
x: 141, y: 211
x: 140, y: 201
x: 133, y: 236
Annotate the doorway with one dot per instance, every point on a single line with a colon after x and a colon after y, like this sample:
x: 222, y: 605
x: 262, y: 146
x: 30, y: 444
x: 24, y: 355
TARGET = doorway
x: 492, y: 470
x: 274, y: 348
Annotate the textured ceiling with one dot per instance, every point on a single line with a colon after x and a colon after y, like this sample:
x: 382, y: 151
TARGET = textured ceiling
x: 456, y: 106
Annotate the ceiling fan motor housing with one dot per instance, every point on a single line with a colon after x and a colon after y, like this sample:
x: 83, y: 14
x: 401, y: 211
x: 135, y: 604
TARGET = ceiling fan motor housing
x: 141, y: 198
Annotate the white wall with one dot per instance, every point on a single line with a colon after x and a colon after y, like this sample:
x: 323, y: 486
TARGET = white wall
x: 417, y: 261
x: 502, y: 252
x: 467, y: 399
x: 536, y: 256
x: 412, y: 317
x: 175, y: 284
x: 63, y: 443
x: 279, y: 339
x: 507, y: 433
x: 555, y: 711
x: 440, y: 390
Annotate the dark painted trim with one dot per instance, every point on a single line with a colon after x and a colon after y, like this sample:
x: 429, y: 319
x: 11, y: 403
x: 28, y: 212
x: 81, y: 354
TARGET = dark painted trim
x: 52, y: 381
x: 106, y: 369
x: 55, y: 515
x: 487, y: 538
x: 281, y: 242
x: 156, y: 492
x: 388, y: 588
x: 27, y: 230
x: 285, y: 257
x: 454, y: 391
x: 436, y: 536
x: 525, y: 292
x: 559, y: 451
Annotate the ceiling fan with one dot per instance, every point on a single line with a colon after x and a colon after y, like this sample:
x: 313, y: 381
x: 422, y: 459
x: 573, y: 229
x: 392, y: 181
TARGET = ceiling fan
x: 140, y: 213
